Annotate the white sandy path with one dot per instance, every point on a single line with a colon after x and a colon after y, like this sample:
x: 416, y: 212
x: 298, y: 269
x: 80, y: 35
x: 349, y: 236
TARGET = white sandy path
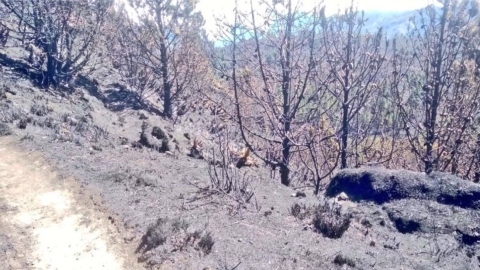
x: 64, y: 232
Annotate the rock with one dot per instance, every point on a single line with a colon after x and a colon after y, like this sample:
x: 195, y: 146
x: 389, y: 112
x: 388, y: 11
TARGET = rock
x: 342, y: 197
x: 382, y: 186
x: 146, y: 180
x: 158, y: 133
x: 129, y: 238
x: 299, y: 194
x: 155, y: 138
x: 186, y: 135
x: 410, y: 216
x: 142, y: 116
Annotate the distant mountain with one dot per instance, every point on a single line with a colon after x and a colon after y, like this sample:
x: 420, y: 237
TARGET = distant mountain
x: 393, y: 23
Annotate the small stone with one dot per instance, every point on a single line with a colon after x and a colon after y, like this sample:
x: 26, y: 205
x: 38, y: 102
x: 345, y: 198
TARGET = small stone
x: 299, y: 194
x: 129, y: 238
x: 343, y: 197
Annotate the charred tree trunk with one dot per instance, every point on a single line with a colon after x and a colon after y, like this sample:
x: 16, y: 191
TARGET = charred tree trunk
x: 432, y: 106
x: 167, y: 86
x: 286, y: 146
x: 50, y: 76
x: 345, y: 106
x: 476, y: 177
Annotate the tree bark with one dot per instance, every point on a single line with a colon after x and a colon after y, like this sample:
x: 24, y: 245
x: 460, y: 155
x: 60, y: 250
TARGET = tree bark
x: 284, y: 170
x: 345, y: 106
x: 430, y: 161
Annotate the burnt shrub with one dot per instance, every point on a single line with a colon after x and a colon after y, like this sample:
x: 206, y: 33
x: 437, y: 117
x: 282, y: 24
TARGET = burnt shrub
x: 206, y: 243
x: 22, y: 124
x: 342, y: 260
x: 173, y: 234
x: 40, y: 109
x: 179, y: 225
x: 329, y: 220
x: 155, y: 236
x: 300, y: 211
x: 27, y: 137
x: 5, y: 129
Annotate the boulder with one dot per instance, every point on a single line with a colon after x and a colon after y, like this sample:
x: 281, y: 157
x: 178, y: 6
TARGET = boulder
x: 425, y: 216
x: 382, y: 186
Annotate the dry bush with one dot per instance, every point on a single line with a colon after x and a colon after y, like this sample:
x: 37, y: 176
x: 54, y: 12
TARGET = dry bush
x: 329, y: 220
x: 206, y: 243
x: 40, y: 109
x: 173, y: 235
x: 225, y: 177
x: 84, y: 127
x: 342, y: 260
x: 300, y: 211
x: 5, y: 129
x: 28, y: 137
x: 132, y: 177
x: 155, y: 236
x: 196, y: 149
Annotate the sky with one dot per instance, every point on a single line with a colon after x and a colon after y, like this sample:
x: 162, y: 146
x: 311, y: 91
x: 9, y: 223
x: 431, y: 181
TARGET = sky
x: 218, y: 8
x: 212, y: 8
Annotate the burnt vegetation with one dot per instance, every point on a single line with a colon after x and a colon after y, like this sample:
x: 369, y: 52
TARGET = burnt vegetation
x: 307, y: 93
x: 297, y: 91
x: 329, y: 220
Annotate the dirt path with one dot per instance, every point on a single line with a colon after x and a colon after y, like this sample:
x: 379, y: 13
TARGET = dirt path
x: 48, y: 222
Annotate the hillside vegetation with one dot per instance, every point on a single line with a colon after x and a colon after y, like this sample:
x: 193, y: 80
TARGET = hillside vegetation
x: 186, y: 134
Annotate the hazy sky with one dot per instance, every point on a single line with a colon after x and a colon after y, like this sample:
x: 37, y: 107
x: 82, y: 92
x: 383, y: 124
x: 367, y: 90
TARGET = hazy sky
x: 211, y: 8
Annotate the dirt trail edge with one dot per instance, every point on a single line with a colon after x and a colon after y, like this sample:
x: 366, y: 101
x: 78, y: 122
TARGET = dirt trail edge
x: 48, y: 222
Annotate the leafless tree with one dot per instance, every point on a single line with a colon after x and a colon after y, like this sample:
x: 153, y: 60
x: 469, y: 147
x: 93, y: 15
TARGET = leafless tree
x: 169, y: 39
x: 67, y: 31
x: 355, y: 59
x: 273, y: 57
x: 441, y: 93
x: 126, y: 55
